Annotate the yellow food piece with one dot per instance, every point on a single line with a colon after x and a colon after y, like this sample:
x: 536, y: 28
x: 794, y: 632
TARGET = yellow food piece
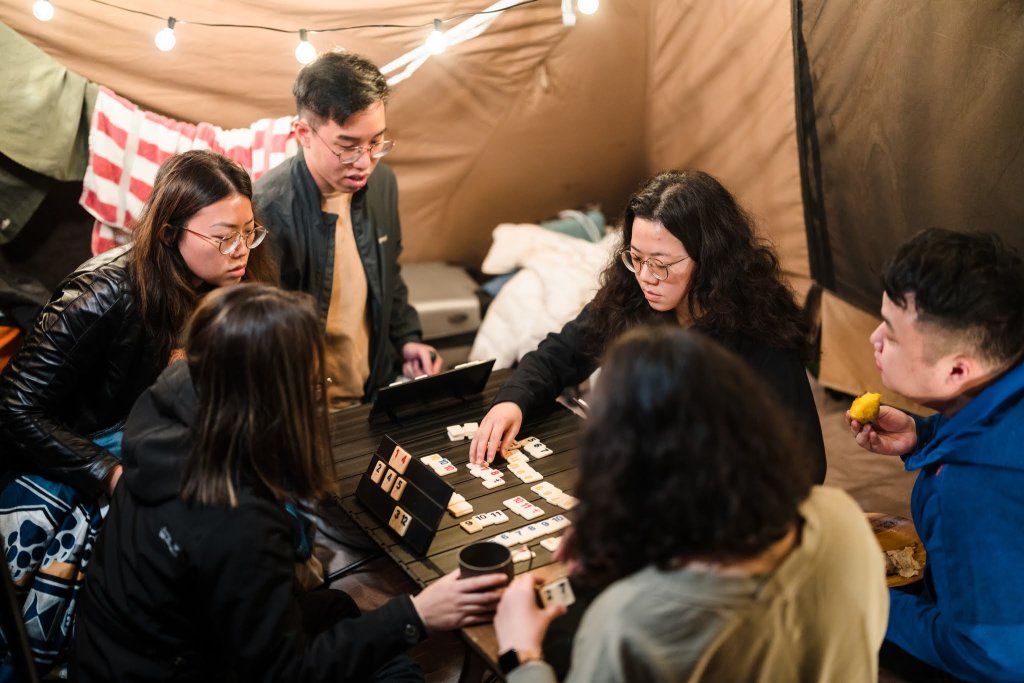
x: 865, y: 407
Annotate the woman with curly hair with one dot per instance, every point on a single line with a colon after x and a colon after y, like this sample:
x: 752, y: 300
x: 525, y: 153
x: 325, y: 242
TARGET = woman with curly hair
x: 690, y: 258
x: 718, y: 559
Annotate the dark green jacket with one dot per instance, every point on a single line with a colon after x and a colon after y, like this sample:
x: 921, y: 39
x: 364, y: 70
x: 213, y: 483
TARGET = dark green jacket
x: 287, y: 202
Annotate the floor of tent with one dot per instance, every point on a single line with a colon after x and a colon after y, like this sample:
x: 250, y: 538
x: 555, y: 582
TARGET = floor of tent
x: 878, y: 483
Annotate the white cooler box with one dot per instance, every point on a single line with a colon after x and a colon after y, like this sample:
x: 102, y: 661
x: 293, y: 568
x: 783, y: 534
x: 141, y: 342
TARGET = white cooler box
x: 445, y: 298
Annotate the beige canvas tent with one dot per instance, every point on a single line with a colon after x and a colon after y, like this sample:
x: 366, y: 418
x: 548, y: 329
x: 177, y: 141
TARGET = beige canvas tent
x: 843, y: 127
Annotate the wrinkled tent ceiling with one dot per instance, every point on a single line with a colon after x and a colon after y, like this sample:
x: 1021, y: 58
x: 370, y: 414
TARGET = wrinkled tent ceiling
x: 910, y: 114
x: 529, y: 118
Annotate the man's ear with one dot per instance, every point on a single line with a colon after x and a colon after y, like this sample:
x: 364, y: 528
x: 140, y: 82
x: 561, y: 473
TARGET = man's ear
x: 962, y: 371
x: 303, y: 132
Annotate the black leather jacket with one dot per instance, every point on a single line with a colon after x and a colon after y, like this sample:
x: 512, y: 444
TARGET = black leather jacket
x: 287, y: 201
x: 78, y: 373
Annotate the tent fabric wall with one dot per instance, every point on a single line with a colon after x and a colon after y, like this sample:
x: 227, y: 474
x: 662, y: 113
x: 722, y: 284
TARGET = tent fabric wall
x: 912, y: 117
x: 918, y: 110
x: 721, y: 99
x: 527, y: 119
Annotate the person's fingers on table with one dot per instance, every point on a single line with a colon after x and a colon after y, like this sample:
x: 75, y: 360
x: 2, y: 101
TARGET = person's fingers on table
x: 493, y: 443
x: 500, y: 436
x: 488, y: 442
x: 482, y: 441
x: 506, y: 440
x: 512, y: 420
x: 478, y: 447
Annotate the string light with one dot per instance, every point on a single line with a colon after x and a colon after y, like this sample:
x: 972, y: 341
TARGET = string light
x: 588, y: 6
x: 42, y: 10
x: 165, y: 39
x: 435, y: 41
x: 399, y: 69
x: 304, y: 51
x: 568, y: 15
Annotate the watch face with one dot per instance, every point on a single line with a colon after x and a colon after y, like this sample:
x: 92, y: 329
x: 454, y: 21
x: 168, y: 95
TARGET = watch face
x: 507, y: 661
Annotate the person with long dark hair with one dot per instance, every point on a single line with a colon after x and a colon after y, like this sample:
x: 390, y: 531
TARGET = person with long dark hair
x: 718, y: 559
x: 193, y: 575
x: 689, y: 258
x: 110, y: 328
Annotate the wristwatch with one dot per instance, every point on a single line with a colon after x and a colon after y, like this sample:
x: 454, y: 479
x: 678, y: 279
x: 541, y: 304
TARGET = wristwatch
x: 507, y: 661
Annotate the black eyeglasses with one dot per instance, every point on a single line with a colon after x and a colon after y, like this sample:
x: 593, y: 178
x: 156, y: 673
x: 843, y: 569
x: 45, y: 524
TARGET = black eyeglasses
x: 635, y: 263
x: 227, y: 245
x: 350, y: 155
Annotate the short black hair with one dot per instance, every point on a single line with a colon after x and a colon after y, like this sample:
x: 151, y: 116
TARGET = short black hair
x: 685, y: 436
x: 336, y: 85
x: 969, y: 284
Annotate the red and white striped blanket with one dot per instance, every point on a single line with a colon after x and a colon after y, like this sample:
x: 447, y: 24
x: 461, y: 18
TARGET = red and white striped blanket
x: 127, y: 145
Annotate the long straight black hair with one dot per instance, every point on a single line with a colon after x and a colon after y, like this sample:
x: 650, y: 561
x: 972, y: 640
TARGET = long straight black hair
x: 256, y: 356
x: 185, y: 184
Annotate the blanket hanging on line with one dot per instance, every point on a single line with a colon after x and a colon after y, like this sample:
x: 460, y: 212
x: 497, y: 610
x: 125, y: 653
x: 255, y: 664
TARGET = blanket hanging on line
x: 127, y: 145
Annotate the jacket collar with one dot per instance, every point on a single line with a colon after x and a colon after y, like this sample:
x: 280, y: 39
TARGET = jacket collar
x: 986, y: 431
x: 308, y: 189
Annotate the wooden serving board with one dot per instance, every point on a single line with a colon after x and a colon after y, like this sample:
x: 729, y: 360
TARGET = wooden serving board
x: 894, y: 533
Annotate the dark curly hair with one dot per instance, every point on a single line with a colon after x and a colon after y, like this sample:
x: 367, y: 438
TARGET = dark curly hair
x: 683, y: 435
x: 967, y: 284
x: 736, y: 288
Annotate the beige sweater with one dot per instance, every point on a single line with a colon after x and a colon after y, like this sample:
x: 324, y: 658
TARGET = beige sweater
x: 821, y: 616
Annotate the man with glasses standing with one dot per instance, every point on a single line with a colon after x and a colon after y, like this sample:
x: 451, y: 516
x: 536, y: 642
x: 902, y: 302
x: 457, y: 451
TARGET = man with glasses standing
x: 332, y: 211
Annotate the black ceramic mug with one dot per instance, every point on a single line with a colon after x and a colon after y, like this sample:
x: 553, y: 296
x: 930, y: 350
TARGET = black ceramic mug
x: 485, y: 557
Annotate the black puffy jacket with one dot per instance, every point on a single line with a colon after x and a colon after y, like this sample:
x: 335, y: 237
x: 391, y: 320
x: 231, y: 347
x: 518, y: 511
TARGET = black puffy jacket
x: 78, y: 373
x: 182, y: 591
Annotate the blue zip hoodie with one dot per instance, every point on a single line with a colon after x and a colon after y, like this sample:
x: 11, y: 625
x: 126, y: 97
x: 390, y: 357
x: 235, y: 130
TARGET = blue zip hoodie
x: 968, y: 506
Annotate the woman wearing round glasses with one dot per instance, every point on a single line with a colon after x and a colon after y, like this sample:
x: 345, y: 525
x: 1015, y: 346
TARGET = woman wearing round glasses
x: 689, y: 258
x: 110, y: 328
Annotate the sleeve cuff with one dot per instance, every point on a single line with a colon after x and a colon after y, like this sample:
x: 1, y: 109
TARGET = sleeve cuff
x: 532, y: 672
x: 399, y: 343
x: 413, y: 628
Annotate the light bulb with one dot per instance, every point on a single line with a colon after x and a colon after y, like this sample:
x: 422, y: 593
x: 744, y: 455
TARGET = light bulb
x: 588, y: 6
x: 42, y: 10
x: 568, y: 16
x: 436, y: 43
x: 165, y: 39
x: 304, y: 51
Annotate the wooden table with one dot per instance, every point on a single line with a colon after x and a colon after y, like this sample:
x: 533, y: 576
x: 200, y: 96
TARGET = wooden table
x: 355, y: 435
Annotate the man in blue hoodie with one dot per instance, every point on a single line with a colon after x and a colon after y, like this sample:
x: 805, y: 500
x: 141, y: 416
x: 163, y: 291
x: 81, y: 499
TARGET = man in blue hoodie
x: 952, y: 339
